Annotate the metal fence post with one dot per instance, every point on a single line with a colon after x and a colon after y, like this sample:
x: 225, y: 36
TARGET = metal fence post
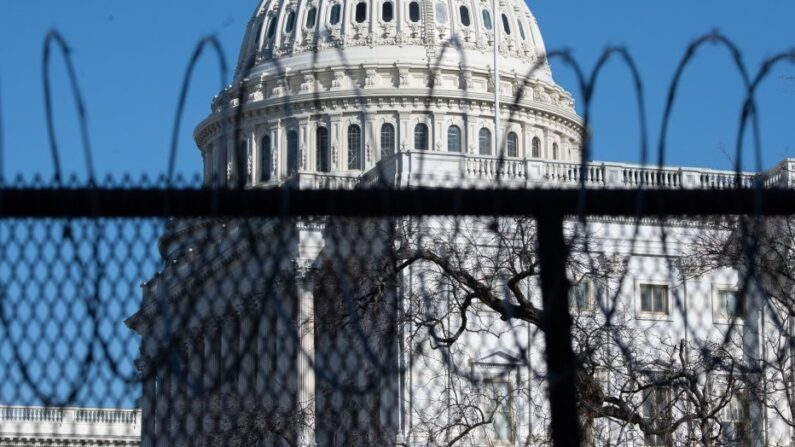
x: 561, y: 367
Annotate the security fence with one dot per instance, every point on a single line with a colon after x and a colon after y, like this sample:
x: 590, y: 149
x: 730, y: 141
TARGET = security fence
x: 431, y: 300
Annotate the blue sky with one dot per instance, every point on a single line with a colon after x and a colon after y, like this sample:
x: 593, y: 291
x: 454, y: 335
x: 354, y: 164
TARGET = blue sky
x: 131, y: 57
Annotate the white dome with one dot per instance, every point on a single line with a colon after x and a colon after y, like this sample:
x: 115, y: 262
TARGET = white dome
x: 301, y: 34
x: 328, y: 90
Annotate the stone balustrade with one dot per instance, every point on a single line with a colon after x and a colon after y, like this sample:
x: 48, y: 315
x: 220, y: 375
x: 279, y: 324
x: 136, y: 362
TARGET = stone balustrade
x: 443, y: 169
x: 110, y: 426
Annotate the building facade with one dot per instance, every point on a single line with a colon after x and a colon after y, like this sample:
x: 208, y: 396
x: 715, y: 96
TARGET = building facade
x: 319, y: 332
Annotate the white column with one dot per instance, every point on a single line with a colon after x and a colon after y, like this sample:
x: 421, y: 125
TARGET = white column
x: 306, y: 354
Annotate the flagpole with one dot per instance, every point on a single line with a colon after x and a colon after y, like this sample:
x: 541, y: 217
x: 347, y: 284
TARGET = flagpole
x: 495, y: 24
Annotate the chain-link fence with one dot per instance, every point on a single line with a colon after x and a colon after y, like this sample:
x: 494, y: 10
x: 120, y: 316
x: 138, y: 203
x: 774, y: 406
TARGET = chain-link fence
x: 580, y: 304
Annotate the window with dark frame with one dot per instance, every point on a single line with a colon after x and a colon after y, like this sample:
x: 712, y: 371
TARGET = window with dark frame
x: 292, y: 152
x: 453, y: 139
x: 387, y: 141
x: 484, y: 140
x: 487, y: 19
x: 387, y: 11
x: 421, y: 137
x: 289, y: 23
x: 536, y: 147
x: 513, y: 143
x: 414, y: 12
x: 354, y: 147
x: 654, y: 299
x: 463, y: 11
x: 323, y: 155
x: 334, y: 14
x: 506, y: 26
x: 361, y: 12
x: 311, y: 16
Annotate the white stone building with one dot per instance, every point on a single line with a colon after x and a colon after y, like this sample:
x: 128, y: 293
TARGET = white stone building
x: 245, y: 333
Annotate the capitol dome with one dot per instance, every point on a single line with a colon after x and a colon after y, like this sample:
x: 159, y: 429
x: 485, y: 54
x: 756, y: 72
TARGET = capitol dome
x: 329, y: 89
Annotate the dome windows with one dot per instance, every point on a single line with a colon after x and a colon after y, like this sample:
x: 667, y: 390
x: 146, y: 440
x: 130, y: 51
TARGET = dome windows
x: 323, y: 153
x: 387, y: 140
x: 421, y: 137
x: 289, y: 22
x: 453, y: 139
x: 484, y: 141
x: 265, y: 168
x: 334, y: 14
x: 311, y: 17
x: 414, y: 12
x: 506, y: 26
x: 441, y: 12
x: 521, y: 29
x: 361, y: 12
x: 555, y: 151
x: 512, y: 146
x: 354, y: 146
x: 463, y: 11
x: 272, y: 27
x: 387, y: 11
x: 487, y: 19
x: 536, y: 147
x: 292, y: 152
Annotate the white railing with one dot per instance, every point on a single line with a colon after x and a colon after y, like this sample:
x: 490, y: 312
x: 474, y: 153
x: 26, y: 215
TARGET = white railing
x: 493, y: 168
x: 572, y: 173
x: 69, y: 415
x: 57, y: 423
x: 427, y: 168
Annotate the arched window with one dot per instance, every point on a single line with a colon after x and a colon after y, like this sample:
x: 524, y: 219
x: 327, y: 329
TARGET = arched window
x: 322, y: 152
x: 414, y: 12
x: 505, y: 25
x: 521, y: 29
x: 361, y: 12
x: 387, y: 11
x: 555, y: 151
x: 272, y: 27
x: 536, y: 148
x: 453, y: 139
x: 387, y: 140
x: 292, y: 152
x: 311, y: 15
x: 463, y: 11
x: 486, y: 19
x: 512, y: 145
x: 354, y: 146
x: 441, y: 12
x: 241, y: 168
x: 334, y: 15
x: 421, y: 137
x: 265, y: 159
x: 484, y: 140
x: 289, y: 23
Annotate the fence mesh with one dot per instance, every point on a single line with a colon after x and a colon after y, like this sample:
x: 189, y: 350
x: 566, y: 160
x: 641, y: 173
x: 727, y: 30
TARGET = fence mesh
x: 616, y: 305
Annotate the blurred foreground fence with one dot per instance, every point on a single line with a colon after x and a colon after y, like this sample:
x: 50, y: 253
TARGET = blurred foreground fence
x: 582, y: 304
x: 411, y: 317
